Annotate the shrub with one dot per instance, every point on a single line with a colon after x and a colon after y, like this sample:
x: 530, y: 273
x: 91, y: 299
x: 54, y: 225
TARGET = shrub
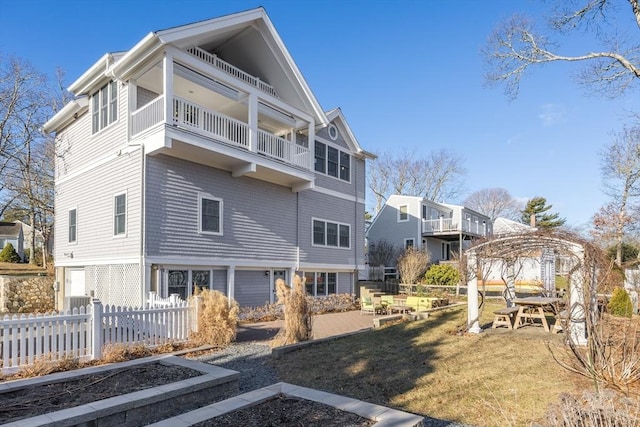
x: 217, y: 318
x: 297, y: 313
x: 620, y: 303
x: 9, y: 254
x: 442, y: 275
x: 412, y: 264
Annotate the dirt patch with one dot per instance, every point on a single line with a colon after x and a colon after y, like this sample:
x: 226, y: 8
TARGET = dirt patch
x: 42, y: 399
x: 284, y: 411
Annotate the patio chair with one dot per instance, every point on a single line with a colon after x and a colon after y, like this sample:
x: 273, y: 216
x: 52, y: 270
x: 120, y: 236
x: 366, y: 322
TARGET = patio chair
x: 368, y: 306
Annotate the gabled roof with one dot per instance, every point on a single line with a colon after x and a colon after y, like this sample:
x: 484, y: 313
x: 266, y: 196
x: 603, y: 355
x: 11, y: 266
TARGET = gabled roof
x: 10, y: 229
x: 262, y: 54
x: 507, y: 226
x: 337, y: 117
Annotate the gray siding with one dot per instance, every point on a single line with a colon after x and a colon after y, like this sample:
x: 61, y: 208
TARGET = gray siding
x: 259, y: 219
x: 220, y: 281
x: 251, y: 288
x: 386, y: 227
x: 79, y: 147
x: 317, y: 205
x: 345, y: 283
x: 340, y: 142
x: 92, y: 194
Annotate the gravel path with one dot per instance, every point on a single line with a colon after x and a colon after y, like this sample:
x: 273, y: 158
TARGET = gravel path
x: 248, y: 358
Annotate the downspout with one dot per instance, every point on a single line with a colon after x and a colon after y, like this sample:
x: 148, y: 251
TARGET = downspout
x: 143, y: 222
x: 355, y: 224
x: 297, y: 233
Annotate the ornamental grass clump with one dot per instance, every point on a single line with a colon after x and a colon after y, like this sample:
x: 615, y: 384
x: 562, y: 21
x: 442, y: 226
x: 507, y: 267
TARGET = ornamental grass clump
x: 297, y: 313
x: 217, y: 318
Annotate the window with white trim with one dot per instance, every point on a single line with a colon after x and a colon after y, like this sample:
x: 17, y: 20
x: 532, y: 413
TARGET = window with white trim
x: 409, y: 243
x: 120, y: 214
x: 104, y: 106
x: 210, y: 215
x: 73, y: 225
x: 334, y: 234
x: 320, y: 283
x: 403, y: 213
x: 332, y: 161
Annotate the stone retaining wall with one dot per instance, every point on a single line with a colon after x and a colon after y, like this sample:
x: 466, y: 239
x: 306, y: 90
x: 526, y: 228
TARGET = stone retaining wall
x: 26, y: 294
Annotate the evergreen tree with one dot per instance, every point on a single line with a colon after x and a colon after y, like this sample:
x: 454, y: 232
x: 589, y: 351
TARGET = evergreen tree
x: 538, y: 208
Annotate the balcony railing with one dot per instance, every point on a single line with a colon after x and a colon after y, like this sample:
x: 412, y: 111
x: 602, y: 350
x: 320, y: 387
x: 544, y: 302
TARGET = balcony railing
x: 282, y: 149
x: 232, y: 70
x: 147, y: 116
x: 211, y: 124
x: 448, y: 225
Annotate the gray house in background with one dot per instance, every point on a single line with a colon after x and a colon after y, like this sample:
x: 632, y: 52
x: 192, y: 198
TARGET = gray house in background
x: 200, y: 157
x: 11, y: 232
x: 441, y: 229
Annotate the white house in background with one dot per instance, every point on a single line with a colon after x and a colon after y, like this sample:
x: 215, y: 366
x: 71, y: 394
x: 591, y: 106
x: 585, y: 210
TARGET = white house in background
x: 200, y: 157
x: 11, y: 232
x: 442, y: 229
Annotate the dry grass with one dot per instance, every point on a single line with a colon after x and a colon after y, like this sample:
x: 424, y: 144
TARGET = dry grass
x: 297, y: 313
x: 11, y: 269
x: 115, y: 353
x: 503, y: 378
x: 217, y: 319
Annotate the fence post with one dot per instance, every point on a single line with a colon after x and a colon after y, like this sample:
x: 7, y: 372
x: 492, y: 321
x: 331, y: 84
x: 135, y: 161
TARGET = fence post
x: 196, y: 302
x: 97, y: 330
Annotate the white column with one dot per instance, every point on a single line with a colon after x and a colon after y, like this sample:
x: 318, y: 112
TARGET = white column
x: 231, y: 283
x: 473, y: 321
x: 252, y: 120
x: 167, y: 86
x: 312, y: 144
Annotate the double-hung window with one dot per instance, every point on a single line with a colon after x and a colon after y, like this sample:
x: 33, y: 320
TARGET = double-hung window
x: 104, y: 107
x: 332, y: 161
x: 73, y: 226
x: 210, y: 215
x: 331, y: 234
x: 403, y: 213
x: 120, y: 215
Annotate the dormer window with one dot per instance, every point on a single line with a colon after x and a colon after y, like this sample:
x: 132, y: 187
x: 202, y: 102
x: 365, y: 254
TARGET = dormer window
x: 104, y: 107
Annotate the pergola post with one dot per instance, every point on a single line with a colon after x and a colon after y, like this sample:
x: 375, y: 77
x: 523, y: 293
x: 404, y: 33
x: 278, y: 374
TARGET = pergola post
x: 473, y: 316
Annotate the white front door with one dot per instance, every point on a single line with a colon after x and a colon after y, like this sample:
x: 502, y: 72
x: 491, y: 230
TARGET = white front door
x: 75, y: 282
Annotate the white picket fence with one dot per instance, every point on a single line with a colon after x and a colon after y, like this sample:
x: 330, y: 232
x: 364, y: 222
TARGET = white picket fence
x: 82, y: 333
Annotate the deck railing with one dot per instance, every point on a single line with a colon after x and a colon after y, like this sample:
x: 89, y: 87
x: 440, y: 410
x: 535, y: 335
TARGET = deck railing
x: 147, y: 116
x: 279, y: 148
x: 210, y: 123
x: 446, y: 225
x: 236, y: 72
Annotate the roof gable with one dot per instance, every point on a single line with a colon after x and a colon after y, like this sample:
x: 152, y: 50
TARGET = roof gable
x: 336, y: 117
x: 10, y: 229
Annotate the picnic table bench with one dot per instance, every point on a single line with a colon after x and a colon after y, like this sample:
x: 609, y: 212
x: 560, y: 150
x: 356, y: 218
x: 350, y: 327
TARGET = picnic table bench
x: 505, y: 317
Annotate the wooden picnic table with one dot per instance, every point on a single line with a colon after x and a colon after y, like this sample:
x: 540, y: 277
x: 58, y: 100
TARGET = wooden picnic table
x: 531, y: 309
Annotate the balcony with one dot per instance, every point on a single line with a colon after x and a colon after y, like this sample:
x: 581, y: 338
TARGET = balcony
x: 447, y: 226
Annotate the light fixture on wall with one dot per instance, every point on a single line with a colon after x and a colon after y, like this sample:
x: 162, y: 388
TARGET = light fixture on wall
x: 266, y: 272
x: 68, y: 254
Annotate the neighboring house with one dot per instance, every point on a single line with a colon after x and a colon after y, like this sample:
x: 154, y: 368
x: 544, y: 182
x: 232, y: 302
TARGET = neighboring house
x: 441, y: 229
x: 201, y: 157
x: 26, y: 230
x: 11, y: 232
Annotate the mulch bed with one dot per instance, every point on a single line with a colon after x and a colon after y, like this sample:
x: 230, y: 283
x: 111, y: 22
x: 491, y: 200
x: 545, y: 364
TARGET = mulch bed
x: 285, y: 411
x: 42, y: 399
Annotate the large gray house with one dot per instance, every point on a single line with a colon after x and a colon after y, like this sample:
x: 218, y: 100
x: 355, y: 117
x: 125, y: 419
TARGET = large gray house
x: 200, y: 157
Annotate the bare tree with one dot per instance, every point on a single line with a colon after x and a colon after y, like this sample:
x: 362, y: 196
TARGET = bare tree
x: 612, y: 64
x: 621, y: 178
x: 494, y: 203
x: 382, y: 253
x: 438, y: 176
x: 26, y: 155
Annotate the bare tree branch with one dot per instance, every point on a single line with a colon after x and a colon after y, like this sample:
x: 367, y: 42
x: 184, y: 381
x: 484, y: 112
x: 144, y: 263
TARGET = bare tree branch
x: 516, y: 45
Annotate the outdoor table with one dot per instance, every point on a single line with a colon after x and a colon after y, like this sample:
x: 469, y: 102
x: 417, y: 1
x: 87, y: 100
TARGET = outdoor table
x: 532, y: 308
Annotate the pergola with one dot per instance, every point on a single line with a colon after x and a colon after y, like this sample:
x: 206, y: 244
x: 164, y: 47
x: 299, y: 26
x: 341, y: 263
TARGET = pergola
x: 584, y: 261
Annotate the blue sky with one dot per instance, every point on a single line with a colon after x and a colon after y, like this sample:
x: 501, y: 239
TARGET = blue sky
x: 405, y: 73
